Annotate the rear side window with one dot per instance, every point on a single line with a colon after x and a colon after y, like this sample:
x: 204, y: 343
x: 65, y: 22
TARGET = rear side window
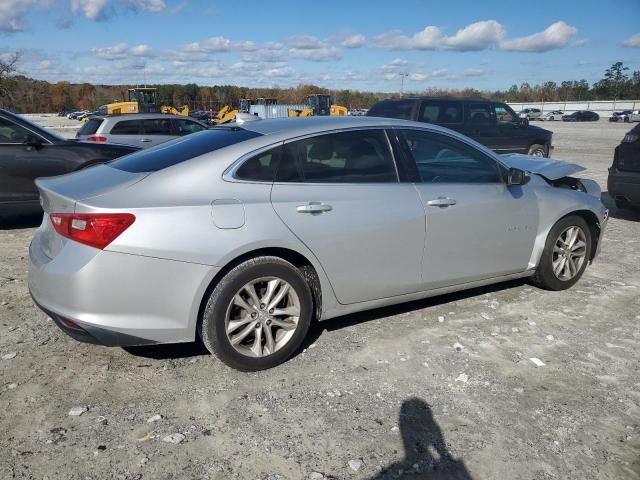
x: 127, y: 127
x: 433, y: 111
x: 185, y: 127
x: 90, y: 127
x: 402, y: 109
x: 179, y: 150
x: 262, y: 167
x: 361, y: 156
x: 157, y: 126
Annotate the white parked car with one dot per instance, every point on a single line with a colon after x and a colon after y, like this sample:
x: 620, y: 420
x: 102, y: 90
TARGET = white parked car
x: 553, y: 115
x: 625, y: 116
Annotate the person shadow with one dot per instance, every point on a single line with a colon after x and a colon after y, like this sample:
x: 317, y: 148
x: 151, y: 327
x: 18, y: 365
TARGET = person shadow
x: 426, y: 453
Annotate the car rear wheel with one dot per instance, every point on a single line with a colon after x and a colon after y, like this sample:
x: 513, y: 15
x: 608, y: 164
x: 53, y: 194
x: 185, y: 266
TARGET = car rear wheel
x: 566, y: 254
x: 552, y: 118
x: 537, y: 150
x: 258, y: 314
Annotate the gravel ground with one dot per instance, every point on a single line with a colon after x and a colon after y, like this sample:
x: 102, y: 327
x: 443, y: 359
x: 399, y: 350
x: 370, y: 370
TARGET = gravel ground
x: 442, y: 388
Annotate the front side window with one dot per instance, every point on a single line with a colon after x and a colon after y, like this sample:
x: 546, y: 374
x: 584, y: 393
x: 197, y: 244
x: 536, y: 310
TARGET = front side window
x: 440, y: 111
x: 441, y: 159
x: 504, y: 114
x: 360, y: 156
x: 261, y: 167
x: 127, y: 127
x: 12, y: 133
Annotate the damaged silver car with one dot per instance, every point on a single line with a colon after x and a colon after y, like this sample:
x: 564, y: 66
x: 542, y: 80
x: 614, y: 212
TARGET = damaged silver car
x: 244, y: 235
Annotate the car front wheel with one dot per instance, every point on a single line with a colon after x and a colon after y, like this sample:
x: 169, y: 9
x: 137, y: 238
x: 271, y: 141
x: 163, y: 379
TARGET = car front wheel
x: 258, y: 315
x: 566, y: 254
x: 537, y: 150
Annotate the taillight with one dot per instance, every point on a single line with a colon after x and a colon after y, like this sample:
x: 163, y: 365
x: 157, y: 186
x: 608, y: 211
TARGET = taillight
x: 94, y: 229
x: 630, y: 137
x: 97, y: 138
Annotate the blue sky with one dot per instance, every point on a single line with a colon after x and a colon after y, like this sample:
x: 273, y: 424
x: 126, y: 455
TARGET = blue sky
x: 366, y: 45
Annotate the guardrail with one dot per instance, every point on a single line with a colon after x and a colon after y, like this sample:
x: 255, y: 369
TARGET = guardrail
x: 602, y: 107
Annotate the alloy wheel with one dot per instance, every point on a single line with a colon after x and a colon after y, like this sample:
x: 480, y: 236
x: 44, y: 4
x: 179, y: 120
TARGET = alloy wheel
x: 569, y: 253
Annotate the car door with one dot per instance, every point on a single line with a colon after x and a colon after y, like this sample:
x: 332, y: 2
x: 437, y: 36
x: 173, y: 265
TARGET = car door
x: 476, y: 226
x: 127, y: 132
x: 512, y: 134
x: 340, y: 194
x: 480, y: 124
x: 156, y: 131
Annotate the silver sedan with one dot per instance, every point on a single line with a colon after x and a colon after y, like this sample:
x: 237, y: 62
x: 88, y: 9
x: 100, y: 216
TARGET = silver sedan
x: 243, y: 235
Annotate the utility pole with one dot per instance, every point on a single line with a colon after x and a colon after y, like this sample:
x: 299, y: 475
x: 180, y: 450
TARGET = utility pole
x: 402, y: 76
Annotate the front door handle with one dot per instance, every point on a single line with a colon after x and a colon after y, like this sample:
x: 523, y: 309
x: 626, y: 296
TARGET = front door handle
x: 314, y: 207
x: 146, y: 140
x: 441, y: 202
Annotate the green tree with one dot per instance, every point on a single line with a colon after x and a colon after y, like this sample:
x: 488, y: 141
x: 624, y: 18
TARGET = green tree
x: 615, y: 76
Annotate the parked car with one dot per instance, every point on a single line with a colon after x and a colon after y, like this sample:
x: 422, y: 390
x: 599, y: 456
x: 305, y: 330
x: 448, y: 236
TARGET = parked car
x: 243, y: 234
x: 28, y: 151
x: 581, y: 116
x: 493, y: 124
x: 623, y: 183
x: 530, y: 113
x: 551, y: 116
x: 143, y: 130
x: 625, y: 116
x: 75, y: 115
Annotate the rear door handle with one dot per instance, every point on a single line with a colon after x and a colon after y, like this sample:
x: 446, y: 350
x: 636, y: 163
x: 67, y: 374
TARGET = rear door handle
x: 314, y: 207
x: 441, y: 202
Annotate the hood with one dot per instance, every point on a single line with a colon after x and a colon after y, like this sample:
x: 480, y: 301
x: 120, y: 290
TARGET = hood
x: 539, y: 130
x: 550, y: 169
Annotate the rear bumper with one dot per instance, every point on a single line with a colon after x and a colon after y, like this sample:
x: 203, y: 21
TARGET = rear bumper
x: 624, y: 185
x: 117, y: 299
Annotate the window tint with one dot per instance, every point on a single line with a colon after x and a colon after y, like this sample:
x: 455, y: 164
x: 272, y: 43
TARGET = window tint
x: 361, y: 156
x: 127, y: 127
x: 440, y: 112
x: 181, y: 149
x: 11, y: 132
x: 392, y: 109
x: 441, y: 159
x: 503, y: 113
x: 157, y: 126
x: 262, y: 167
x: 185, y: 127
x: 90, y: 127
x: 479, y: 112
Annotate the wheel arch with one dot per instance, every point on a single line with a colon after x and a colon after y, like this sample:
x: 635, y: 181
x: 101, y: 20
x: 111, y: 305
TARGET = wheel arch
x: 594, y: 227
x: 300, y: 261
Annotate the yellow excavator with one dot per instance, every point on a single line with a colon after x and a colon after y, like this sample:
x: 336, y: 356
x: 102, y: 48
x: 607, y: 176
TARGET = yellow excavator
x: 141, y: 100
x: 319, y: 105
x: 225, y: 115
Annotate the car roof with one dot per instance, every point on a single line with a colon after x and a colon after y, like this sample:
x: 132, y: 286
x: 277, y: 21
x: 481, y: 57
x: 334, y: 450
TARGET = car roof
x: 442, y: 97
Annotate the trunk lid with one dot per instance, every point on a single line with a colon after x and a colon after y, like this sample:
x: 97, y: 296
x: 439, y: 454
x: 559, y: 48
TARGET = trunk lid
x: 550, y: 169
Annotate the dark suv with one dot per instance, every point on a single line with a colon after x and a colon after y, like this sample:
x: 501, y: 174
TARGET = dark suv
x: 493, y: 124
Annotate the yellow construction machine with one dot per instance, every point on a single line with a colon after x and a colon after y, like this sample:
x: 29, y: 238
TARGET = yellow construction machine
x: 141, y: 100
x: 225, y: 115
x: 319, y: 105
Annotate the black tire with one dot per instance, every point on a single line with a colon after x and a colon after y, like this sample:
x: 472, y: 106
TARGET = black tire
x: 537, y: 150
x: 552, y: 118
x: 544, y: 276
x: 212, y: 329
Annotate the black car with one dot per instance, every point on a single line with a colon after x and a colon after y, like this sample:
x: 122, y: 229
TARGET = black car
x: 28, y: 151
x: 581, y: 116
x: 623, y: 183
x: 493, y: 124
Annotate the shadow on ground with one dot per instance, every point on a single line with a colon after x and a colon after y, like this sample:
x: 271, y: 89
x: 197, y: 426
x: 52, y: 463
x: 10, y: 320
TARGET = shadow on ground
x: 426, y: 456
x: 20, y: 221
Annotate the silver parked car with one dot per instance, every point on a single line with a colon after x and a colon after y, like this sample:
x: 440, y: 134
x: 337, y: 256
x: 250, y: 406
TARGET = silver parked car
x: 530, y: 113
x: 142, y: 130
x: 243, y: 235
x: 552, y: 116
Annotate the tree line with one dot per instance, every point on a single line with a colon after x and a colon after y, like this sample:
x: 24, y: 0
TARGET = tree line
x: 27, y: 95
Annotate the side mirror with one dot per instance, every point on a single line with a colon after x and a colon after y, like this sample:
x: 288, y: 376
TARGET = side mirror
x: 32, y: 142
x: 515, y: 176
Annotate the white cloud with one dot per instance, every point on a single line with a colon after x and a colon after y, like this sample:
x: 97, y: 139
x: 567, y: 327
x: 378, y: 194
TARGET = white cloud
x: 12, y: 13
x: 353, y: 41
x: 418, y: 77
x: 440, y: 73
x: 154, y: 6
x: 473, y: 72
x: 399, y: 62
x: 121, y: 51
x: 92, y: 9
x: 308, y: 47
x: 557, y: 35
x: 633, y: 41
x: 218, y: 44
x: 479, y: 36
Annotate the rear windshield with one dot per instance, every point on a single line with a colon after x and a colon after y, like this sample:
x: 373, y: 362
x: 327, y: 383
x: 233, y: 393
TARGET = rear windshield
x: 392, y: 109
x: 90, y: 127
x: 185, y: 148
